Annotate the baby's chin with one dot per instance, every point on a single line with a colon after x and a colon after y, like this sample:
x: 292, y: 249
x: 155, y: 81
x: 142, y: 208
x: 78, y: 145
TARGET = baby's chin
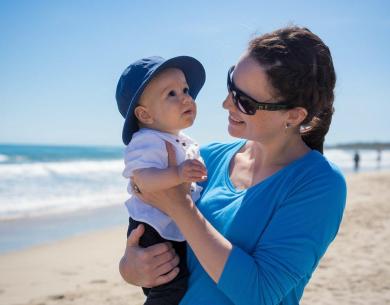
x: 188, y: 121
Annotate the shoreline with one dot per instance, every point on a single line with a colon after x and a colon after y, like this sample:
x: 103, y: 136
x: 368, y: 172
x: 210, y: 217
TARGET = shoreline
x: 83, y: 269
x: 22, y: 233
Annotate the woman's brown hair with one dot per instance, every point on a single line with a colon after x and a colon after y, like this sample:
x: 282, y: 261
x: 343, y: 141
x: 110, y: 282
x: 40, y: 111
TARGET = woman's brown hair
x: 299, y: 66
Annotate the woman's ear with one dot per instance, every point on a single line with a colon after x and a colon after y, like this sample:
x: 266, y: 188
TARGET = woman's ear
x: 296, y: 116
x: 143, y: 115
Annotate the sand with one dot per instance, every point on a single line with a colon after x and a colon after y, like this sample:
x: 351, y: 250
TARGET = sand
x: 78, y: 270
x: 83, y: 270
x: 356, y: 267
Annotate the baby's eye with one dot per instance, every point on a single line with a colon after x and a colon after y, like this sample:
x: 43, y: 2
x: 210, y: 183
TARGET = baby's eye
x: 186, y: 90
x: 172, y: 93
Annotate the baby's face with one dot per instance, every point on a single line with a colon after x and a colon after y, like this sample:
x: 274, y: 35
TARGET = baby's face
x: 166, y: 99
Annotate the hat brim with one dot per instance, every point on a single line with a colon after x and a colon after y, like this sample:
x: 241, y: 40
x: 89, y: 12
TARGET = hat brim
x: 195, y: 76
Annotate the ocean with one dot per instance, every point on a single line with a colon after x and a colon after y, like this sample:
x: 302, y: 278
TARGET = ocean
x: 36, y: 180
x: 51, y: 192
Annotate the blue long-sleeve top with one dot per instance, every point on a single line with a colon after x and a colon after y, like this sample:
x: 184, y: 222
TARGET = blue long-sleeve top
x: 279, y: 228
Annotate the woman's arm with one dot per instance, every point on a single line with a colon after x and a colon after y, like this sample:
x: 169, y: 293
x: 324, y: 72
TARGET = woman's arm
x: 211, y: 248
x: 290, y: 248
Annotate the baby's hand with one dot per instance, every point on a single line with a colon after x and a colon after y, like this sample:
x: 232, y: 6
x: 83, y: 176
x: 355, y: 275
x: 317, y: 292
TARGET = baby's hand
x: 192, y: 171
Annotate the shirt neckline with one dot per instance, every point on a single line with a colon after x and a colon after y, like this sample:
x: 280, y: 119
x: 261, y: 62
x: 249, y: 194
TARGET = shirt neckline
x: 174, y: 139
x: 230, y: 184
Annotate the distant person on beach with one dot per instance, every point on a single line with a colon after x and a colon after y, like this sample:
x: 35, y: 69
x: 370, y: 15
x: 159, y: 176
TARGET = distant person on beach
x: 379, y: 158
x: 356, y: 160
x: 156, y: 98
x: 272, y: 203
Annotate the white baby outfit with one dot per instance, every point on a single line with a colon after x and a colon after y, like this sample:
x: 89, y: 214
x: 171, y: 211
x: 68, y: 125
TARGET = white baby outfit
x: 147, y: 149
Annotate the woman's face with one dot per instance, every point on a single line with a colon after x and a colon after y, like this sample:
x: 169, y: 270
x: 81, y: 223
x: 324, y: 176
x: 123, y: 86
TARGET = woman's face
x: 263, y: 126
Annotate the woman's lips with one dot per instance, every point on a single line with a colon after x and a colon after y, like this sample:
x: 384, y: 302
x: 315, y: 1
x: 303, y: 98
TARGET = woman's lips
x: 235, y: 121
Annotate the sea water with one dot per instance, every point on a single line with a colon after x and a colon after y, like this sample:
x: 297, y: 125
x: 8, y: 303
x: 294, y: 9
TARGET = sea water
x: 36, y: 180
x: 53, y: 192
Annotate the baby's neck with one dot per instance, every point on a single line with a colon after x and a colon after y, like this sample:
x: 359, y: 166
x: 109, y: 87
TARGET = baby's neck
x: 172, y: 132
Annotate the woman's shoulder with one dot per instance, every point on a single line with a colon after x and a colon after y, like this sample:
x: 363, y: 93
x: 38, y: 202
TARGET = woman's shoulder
x: 325, y: 166
x: 221, y: 146
x: 314, y: 181
x: 219, y: 150
x: 317, y: 169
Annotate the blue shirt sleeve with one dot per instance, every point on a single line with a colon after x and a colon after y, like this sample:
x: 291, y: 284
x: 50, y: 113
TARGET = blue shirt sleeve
x: 292, y: 244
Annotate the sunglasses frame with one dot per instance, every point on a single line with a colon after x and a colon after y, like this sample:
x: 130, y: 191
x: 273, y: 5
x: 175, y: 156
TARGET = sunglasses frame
x: 256, y: 105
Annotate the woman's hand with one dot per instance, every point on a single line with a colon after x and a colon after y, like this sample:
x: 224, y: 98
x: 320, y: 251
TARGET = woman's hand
x: 165, y: 200
x: 148, y: 267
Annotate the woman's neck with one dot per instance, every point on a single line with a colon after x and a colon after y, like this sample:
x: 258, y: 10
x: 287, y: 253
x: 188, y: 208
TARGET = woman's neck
x: 276, y: 154
x: 255, y: 162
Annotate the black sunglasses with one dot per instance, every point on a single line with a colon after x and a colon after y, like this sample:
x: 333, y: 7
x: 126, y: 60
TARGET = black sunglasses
x: 248, y: 105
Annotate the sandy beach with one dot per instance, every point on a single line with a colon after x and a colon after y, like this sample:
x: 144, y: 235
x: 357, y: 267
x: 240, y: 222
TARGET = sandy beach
x: 83, y: 270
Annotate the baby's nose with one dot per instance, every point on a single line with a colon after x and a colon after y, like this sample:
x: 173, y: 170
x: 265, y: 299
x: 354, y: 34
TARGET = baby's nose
x: 187, y: 99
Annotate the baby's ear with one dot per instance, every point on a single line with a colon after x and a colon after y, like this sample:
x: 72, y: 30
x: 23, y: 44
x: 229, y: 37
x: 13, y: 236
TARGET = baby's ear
x: 143, y: 115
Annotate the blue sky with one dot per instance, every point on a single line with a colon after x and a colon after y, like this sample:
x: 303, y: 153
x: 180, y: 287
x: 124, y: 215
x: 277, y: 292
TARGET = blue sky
x: 60, y: 61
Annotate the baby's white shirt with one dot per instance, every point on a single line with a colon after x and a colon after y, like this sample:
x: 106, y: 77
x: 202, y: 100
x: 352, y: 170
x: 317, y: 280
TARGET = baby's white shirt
x: 147, y: 149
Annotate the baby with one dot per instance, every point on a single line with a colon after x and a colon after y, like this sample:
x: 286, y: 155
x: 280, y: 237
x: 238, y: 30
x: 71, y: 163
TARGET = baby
x: 156, y: 98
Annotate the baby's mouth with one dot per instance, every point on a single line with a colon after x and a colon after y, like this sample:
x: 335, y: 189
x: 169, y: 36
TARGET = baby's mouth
x: 189, y: 111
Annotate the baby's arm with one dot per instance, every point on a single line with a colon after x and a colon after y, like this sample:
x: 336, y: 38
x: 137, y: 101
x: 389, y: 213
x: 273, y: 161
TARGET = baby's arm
x: 154, y: 179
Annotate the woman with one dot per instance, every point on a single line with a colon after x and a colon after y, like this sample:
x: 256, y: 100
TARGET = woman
x: 272, y: 203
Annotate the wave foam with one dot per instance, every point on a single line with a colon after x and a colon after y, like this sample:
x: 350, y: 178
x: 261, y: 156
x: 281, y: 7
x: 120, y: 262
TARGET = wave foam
x: 55, y: 204
x: 3, y: 158
x: 40, y: 169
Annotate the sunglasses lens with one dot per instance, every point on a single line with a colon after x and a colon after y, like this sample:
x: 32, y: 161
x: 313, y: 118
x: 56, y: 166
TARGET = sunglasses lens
x: 244, y: 105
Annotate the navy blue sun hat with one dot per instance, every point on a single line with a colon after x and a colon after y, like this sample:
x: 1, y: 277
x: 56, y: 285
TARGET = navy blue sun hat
x: 135, y: 78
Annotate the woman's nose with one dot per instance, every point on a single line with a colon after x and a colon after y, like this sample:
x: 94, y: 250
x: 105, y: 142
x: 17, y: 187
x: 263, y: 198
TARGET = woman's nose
x: 228, y: 102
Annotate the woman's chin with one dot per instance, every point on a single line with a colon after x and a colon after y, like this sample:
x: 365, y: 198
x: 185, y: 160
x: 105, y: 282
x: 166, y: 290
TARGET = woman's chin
x: 235, y: 132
